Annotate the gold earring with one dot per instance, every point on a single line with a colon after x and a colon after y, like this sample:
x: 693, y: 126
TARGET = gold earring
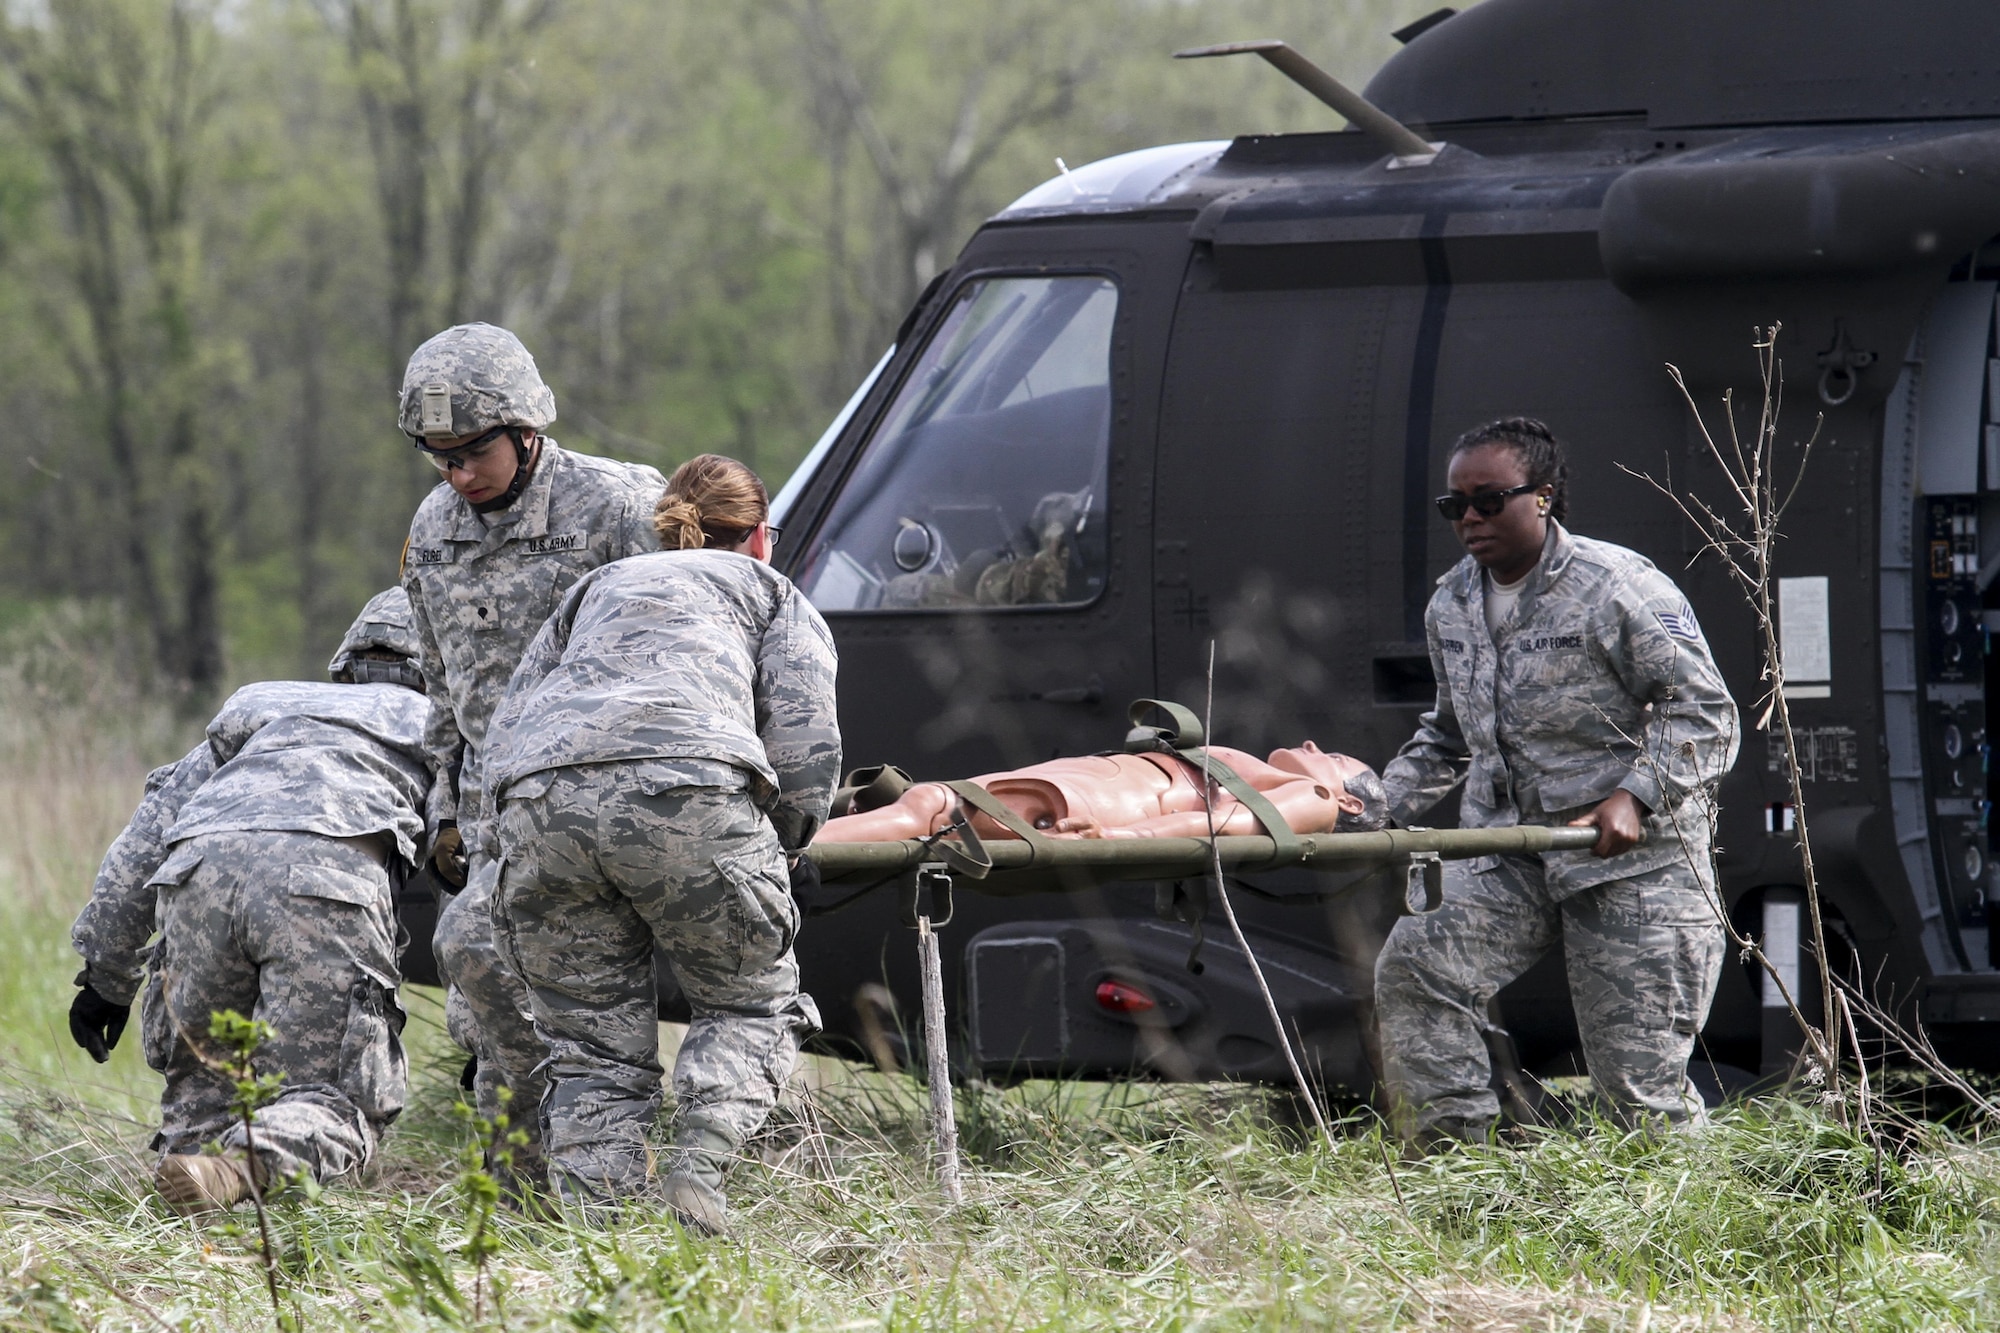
x: 1542, y: 507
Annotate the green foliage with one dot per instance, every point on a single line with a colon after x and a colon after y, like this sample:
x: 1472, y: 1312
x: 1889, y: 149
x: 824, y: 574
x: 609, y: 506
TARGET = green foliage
x: 240, y: 1039
x: 489, y: 1161
x: 42, y: 1304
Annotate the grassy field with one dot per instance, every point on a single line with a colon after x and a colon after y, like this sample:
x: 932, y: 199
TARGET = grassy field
x: 1087, y: 1206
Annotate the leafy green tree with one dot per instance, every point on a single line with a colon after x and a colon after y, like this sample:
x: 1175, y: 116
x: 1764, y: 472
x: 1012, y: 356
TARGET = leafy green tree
x: 119, y: 97
x: 223, y: 228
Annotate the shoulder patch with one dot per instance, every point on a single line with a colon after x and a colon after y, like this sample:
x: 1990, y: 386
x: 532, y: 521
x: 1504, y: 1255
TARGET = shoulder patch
x: 1681, y: 624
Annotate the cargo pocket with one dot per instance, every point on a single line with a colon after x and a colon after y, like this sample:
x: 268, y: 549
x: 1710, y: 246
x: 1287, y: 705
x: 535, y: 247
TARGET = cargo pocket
x: 374, y: 1071
x: 340, y: 886
x: 174, y: 871
x: 369, y: 893
x: 506, y: 941
x: 528, y: 787
x: 156, y: 1025
x: 156, y: 1029
x: 761, y: 913
x: 1697, y: 954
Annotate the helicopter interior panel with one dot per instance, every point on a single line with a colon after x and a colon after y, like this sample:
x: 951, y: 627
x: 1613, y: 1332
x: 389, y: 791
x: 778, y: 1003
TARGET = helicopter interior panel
x: 984, y: 485
x: 1934, y: 582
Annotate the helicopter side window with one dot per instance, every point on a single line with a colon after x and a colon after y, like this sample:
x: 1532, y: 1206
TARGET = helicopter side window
x: 984, y: 485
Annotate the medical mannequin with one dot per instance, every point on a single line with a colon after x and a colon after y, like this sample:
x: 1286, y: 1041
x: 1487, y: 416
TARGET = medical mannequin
x: 1139, y: 796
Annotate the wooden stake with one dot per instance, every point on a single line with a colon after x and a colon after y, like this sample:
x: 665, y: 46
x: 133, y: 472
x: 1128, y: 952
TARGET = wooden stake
x: 944, y: 1119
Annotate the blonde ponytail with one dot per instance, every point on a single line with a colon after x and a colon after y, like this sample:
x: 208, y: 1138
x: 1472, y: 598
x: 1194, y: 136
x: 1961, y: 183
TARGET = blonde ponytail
x: 678, y: 523
x: 710, y: 501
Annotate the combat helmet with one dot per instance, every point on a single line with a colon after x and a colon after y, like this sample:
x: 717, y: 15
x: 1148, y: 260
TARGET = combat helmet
x: 471, y: 379
x: 383, y: 627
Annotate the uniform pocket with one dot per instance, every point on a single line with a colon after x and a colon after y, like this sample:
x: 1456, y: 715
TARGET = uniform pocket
x: 528, y: 787
x: 761, y: 909
x: 156, y: 1028
x: 1680, y: 911
x: 156, y: 1024
x: 1698, y: 951
x: 374, y: 1070
x: 174, y: 871
x: 340, y: 886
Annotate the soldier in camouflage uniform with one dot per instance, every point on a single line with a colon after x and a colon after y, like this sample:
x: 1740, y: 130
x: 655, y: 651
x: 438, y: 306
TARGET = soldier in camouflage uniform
x: 516, y: 524
x: 668, y: 741
x: 264, y: 860
x: 1574, y: 686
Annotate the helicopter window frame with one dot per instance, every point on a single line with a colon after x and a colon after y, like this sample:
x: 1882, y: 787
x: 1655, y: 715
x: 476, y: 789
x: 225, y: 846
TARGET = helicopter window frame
x: 933, y: 318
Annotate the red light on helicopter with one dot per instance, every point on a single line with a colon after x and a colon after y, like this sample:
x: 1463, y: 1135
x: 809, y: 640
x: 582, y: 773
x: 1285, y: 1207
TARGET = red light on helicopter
x: 1121, y: 998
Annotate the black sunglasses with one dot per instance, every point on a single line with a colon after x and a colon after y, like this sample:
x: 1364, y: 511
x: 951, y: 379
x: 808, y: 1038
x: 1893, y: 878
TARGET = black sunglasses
x: 464, y: 455
x: 1488, y: 503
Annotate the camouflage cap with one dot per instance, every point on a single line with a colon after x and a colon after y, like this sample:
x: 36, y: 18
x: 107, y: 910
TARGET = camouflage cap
x: 471, y: 378
x: 384, y: 626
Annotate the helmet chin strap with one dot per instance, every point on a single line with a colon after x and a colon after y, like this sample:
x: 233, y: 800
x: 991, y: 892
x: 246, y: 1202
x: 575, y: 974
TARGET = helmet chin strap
x: 524, y: 472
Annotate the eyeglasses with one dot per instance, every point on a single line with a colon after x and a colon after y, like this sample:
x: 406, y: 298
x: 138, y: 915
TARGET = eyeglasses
x: 774, y: 532
x: 1488, y: 503
x: 466, y: 455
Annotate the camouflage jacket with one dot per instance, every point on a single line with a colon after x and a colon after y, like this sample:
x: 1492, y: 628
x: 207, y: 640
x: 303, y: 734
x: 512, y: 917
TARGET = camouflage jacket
x: 342, y: 761
x: 1599, y: 679
x: 481, y: 585
x: 691, y: 655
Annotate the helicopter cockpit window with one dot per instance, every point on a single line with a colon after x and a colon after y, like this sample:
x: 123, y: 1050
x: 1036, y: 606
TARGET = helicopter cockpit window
x: 985, y: 483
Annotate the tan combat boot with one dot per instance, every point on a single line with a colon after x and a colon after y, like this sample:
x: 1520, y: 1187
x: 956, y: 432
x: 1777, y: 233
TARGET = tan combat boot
x: 198, y: 1182
x: 693, y: 1187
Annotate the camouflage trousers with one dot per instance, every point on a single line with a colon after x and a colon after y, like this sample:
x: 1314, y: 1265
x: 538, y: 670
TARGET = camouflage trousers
x: 1643, y: 955
x: 296, y: 930
x: 486, y: 1004
x: 603, y: 862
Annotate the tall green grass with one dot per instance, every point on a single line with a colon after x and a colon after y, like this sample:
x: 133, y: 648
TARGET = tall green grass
x: 1089, y: 1206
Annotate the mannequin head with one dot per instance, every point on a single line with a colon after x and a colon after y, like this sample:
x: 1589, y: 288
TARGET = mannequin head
x: 1354, y: 786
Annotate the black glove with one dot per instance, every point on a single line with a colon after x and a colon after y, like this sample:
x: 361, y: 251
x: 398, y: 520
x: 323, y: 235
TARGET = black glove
x: 804, y: 875
x: 448, y: 855
x: 96, y: 1024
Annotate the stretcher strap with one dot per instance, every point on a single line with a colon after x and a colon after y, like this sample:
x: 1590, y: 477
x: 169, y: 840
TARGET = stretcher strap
x: 959, y: 847
x: 1286, y: 841
x: 1183, y: 739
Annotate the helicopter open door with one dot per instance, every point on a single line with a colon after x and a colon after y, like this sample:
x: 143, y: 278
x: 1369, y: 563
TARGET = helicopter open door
x: 1940, y: 555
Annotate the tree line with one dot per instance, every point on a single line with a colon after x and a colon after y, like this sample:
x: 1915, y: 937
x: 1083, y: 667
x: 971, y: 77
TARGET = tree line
x: 224, y: 225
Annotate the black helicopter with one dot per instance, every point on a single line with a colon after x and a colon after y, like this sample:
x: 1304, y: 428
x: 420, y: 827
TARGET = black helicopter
x: 1203, y: 393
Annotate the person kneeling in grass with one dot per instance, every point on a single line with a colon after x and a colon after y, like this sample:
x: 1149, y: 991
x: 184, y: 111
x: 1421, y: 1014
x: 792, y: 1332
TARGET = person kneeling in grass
x: 265, y: 858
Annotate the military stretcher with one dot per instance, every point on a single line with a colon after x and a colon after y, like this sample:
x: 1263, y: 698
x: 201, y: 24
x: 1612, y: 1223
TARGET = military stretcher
x: 1032, y: 862
x: 1029, y: 867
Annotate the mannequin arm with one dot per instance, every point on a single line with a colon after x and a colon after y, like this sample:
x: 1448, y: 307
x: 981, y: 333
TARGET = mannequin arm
x: 917, y: 813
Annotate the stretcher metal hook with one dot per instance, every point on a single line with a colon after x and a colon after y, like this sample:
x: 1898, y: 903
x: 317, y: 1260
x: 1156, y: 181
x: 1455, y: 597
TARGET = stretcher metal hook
x: 936, y: 877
